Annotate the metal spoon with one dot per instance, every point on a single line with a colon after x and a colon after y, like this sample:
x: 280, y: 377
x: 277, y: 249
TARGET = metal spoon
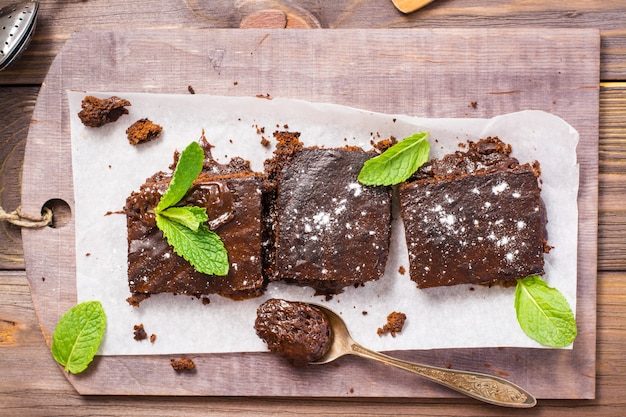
x: 17, y: 24
x: 488, y: 388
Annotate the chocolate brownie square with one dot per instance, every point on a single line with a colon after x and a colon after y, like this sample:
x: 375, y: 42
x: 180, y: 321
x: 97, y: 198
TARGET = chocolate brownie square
x: 330, y: 231
x: 232, y: 195
x: 474, y: 217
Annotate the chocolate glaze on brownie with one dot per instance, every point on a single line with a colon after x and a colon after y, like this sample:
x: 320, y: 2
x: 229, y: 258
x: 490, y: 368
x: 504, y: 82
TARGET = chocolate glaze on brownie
x: 296, y: 331
x: 474, y: 217
x: 232, y: 195
x: 327, y: 230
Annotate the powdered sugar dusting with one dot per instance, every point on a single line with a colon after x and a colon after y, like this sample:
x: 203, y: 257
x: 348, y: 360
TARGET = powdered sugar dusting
x: 497, y: 189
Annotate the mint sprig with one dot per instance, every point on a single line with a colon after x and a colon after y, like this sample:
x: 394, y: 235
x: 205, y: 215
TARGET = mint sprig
x: 187, y: 170
x: 397, y: 163
x: 543, y: 313
x: 184, y: 227
x: 77, y: 336
x: 202, y: 248
x: 190, y: 217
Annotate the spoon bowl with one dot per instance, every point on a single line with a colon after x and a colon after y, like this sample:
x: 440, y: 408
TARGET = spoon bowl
x: 483, y: 387
x: 17, y: 25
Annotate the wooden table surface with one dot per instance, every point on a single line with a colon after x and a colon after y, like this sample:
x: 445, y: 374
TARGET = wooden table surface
x: 31, y: 384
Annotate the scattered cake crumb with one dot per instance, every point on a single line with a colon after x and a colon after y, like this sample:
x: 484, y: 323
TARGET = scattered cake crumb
x: 206, y: 301
x: 394, y: 325
x: 191, y: 90
x: 382, y: 145
x: 139, y: 332
x: 152, y: 338
x: 98, y: 112
x: 474, y: 104
x: 182, y: 364
x: 143, y: 130
x: 136, y: 299
x: 265, y: 96
x: 401, y: 270
x: 264, y: 141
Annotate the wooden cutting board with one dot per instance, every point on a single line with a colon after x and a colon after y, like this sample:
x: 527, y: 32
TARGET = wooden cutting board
x: 421, y: 72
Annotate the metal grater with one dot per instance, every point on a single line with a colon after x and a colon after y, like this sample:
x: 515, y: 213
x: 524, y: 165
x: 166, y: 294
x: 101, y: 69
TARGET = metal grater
x: 17, y: 24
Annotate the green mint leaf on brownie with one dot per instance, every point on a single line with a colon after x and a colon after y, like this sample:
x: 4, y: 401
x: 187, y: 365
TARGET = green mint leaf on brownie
x: 543, y: 313
x: 397, y: 163
x: 184, y: 227
x: 190, y: 217
x: 203, y: 249
x: 78, y: 335
x: 187, y: 170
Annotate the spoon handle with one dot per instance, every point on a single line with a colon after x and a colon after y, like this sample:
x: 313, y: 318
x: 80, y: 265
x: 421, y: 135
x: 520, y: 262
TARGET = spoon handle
x: 488, y: 388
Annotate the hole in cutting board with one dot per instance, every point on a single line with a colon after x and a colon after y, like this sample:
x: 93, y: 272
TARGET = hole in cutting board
x: 61, y: 212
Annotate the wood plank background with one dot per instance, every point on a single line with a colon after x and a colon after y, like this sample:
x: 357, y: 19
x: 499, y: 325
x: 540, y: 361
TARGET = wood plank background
x: 60, y: 18
x: 436, y: 73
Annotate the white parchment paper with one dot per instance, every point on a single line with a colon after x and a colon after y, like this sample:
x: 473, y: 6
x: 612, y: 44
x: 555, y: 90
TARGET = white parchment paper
x: 106, y: 169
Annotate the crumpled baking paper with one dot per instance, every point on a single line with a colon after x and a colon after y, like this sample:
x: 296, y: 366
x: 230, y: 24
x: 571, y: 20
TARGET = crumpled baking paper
x: 106, y: 169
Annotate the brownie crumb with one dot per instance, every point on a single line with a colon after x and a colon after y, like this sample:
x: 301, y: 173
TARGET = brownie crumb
x: 206, y: 301
x: 139, y: 332
x: 152, y: 338
x: 143, y: 130
x: 265, y: 142
x: 394, y: 325
x: 191, y: 90
x: 136, y: 299
x: 474, y: 104
x: 382, y: 145
x: 182, y: 364
x: 401, y: 270
x: 98, y: 112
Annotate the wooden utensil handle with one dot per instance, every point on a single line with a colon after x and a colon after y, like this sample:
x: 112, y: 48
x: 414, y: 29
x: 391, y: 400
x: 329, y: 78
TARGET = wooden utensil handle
x: 409, y: 6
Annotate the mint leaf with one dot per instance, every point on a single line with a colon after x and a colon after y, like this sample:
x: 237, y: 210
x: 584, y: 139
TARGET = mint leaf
x: 77, y: 336
x: 202, y: 249
x: 543, y: 313
x: 187, y: 170
x: 190, y: 217
x: 183, y: 227
x: 397, y: 163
